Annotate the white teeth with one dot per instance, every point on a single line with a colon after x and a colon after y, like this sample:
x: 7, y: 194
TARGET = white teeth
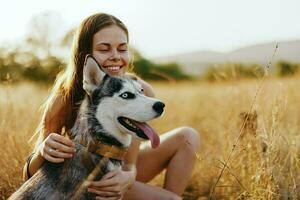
x: 113, y: 68
x: 129, y: 123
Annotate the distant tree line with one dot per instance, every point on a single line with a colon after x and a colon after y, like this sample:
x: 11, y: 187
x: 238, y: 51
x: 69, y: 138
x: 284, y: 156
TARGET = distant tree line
x: 236, y: 71
x: 16, y: 66
x: 285, y: 68
x: 147, y: 69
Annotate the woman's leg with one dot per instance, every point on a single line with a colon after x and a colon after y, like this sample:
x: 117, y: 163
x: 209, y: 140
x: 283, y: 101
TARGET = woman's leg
x: 176, y: 154
x: 143, y: 191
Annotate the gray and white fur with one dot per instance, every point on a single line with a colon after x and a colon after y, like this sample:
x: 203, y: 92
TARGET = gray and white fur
x: 107, y: 99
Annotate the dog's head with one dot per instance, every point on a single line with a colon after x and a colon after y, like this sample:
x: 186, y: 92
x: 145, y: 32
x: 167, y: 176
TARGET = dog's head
x: 120, y: 105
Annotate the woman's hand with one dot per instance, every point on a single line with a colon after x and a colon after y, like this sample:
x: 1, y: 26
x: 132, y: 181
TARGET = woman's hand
x: 113, y: 185
x: 55, y: 148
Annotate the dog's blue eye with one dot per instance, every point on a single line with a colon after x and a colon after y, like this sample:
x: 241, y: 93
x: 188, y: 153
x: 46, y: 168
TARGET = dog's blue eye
x: 127, y: 95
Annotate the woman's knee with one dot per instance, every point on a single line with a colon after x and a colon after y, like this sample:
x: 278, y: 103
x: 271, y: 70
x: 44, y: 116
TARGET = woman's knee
x: 189, y: 136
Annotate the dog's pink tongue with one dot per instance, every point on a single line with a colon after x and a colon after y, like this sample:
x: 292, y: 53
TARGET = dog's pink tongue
x: 150, y: 132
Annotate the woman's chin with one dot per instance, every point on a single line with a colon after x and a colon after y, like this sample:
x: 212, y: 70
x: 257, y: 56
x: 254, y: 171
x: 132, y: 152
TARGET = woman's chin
x: 115, y: 73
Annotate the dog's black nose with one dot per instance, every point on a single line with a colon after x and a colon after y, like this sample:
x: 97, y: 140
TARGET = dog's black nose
x: 159, y: 107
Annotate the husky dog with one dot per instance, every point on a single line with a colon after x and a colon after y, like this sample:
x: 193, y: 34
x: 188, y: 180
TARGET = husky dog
x: 113, y: 110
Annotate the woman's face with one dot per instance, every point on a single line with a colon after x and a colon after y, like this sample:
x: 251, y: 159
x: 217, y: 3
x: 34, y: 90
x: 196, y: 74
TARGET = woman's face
x: 110, y: 49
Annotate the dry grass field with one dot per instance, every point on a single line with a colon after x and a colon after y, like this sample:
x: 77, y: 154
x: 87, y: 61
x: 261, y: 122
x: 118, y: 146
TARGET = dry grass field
x: 265, y: 163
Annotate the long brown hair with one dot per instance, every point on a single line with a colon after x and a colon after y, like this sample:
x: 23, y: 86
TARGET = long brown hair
x: 69, y: 82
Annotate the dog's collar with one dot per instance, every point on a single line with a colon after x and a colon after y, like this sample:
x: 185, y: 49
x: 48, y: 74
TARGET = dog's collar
x: 106, y: 150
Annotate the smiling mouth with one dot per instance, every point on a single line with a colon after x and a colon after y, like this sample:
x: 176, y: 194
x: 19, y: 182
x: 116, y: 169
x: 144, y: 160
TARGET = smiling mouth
x: 113, y: 68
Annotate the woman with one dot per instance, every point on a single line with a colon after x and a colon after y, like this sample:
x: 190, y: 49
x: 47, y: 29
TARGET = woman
x: 106, y: 38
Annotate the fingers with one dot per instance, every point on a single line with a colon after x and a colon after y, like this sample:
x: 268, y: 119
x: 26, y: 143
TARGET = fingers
x: 104, y: 183
x: 48, y: 153
x: 61, y: 139
x: 61, y: 147
x: 114, y: 189
x: 56, y: 148
x: 54, y: 153
x: 109, y: 198
x: 110, y: 174
x: 104, y: 193
x: 109, y: 186
x: 52, y: 159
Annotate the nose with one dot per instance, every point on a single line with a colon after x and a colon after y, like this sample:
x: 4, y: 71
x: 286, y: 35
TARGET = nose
x: 115, y: 55
x: 158, y: 107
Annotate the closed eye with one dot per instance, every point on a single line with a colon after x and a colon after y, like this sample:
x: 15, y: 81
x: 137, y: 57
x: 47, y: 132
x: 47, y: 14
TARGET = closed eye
x: 103, y: 50
x: 127, y: 95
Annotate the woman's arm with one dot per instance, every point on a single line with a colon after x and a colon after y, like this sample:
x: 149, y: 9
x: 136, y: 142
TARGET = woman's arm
x: 53, y: 120
x: 130, y: 160
x: 148, y: 89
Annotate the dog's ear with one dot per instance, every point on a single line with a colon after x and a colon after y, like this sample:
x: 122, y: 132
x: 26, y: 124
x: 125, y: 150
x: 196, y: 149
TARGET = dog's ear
x: 92, y: 74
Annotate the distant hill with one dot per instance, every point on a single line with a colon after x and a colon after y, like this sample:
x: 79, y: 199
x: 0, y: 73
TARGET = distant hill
x: 196, y: 62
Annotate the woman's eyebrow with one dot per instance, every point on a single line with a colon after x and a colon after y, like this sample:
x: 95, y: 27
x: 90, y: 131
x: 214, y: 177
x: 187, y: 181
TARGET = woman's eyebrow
x: 108, y: 44
x: 105, y: 44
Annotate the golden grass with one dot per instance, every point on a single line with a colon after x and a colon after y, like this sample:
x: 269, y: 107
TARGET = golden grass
x: 265, y: 166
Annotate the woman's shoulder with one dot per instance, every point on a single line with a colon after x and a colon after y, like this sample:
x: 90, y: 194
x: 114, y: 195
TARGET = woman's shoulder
x: 148, y: 89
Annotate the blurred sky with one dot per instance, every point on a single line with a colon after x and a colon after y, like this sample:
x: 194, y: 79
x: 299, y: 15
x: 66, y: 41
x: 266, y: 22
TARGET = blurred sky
x: 166, y: 27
